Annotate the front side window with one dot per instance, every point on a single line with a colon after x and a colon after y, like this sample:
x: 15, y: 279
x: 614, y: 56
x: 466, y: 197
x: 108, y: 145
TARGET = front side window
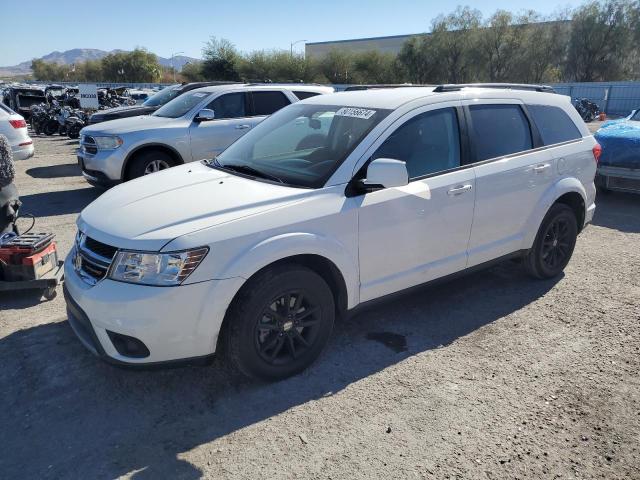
x: 181, y: 105
x: 428, y: 143
x: 301, y: 145
x: 499, y: 130
x: 266, y: 103
x: 554, y: 125
x: 230, y: 105
x: 302, y: 95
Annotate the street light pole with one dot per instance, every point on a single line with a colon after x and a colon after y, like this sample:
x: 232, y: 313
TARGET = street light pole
x: 294, y: 43
x: 172, y: 67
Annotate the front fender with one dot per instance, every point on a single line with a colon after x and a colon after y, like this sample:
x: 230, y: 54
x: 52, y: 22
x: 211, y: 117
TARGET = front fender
x: 555, y: 191
x: 248, y: 261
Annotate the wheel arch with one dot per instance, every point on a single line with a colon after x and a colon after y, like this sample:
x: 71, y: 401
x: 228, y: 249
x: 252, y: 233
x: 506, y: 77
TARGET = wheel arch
x: 147, y: 147
x: 568, y: 191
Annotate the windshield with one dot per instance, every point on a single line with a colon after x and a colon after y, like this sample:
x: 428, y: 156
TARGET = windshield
x: 163, y: 96
x: 636, y: 116
x: 302, y: 144
x: 181, y: 105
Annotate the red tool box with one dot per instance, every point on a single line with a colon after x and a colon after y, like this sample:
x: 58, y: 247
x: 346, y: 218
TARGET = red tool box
x: 28, y: 257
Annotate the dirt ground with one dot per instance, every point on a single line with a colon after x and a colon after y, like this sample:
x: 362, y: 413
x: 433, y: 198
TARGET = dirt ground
x: 491, y: 376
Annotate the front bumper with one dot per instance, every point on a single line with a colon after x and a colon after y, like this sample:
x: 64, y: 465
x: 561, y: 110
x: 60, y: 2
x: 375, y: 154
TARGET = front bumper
x: 104, y: 168
x: 174, y: 323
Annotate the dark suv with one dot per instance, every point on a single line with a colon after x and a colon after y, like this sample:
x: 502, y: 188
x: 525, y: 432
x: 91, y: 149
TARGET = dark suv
x: 151, y: 104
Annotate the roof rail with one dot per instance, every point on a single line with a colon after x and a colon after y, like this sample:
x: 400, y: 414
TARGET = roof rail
x: 506, y: 86
x: 353, y: 88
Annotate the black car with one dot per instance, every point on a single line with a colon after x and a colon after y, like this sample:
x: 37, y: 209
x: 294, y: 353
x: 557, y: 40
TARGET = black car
x: 151, y: 104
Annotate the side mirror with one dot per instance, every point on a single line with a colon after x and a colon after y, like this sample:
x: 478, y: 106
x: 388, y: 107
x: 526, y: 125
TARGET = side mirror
x: 386, y: 173
x: 205, y: 115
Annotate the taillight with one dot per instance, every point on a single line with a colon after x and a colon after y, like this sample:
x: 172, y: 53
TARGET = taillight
x: 18, y: 123
x: 597, y: 151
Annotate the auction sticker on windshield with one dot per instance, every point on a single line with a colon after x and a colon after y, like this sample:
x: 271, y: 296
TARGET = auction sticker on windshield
x: 356, y: 112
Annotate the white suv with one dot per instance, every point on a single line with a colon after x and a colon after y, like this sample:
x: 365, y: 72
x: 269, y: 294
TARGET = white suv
x: 329, y: 203
x: 193, y: 126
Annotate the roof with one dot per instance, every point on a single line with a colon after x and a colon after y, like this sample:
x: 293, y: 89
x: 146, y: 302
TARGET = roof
x: 392, y: 98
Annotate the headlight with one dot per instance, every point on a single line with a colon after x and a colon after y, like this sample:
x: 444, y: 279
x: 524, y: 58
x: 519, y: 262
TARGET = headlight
x: 108, y: 143
x: 158, y: 269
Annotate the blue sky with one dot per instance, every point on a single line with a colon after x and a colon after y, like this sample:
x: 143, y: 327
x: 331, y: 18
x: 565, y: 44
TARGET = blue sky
x: 33, y: 28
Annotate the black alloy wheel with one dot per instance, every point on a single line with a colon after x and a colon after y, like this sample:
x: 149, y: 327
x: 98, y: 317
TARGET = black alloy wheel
x: 554, y: 243
x: 287, y: 328
x: 279, y: 322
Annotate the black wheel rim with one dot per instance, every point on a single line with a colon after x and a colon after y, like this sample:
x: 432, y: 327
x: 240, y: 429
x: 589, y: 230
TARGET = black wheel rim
x: 287, y: 328
x: 556, y: 245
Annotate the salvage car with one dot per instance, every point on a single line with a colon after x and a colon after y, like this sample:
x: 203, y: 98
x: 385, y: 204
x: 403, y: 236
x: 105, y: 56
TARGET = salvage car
x: 20, y: 99
x: 193, y: 126
x: 619, y: 167
x: 329, y: 203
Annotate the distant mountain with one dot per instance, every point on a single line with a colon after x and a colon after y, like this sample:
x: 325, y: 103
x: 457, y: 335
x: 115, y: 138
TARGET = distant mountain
x: 78, y: 55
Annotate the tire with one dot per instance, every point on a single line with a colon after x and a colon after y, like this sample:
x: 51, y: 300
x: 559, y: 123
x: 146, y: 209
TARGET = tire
x: 144, y: 162
x: 554, y: 243
x: 269, y: 346
x: 50, y: 128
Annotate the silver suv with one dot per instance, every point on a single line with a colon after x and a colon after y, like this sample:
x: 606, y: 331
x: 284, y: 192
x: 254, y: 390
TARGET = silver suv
x: 195, y: 126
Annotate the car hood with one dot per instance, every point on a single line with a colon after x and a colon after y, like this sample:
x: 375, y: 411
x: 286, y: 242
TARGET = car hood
x: 126, y: 125
x: 149, y: 212
x: 122, y: 112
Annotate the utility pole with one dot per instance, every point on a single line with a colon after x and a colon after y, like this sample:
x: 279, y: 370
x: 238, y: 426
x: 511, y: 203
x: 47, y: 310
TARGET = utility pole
x: 294, y: 43
x: 172, y: 67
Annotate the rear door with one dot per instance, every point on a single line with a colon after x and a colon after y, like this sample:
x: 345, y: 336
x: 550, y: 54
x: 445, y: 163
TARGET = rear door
x: 232, y: 120
x: 512, y: 172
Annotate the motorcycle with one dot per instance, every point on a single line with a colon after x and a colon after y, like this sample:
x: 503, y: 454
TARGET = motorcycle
x: 75, y: 122
x: 587, y: 109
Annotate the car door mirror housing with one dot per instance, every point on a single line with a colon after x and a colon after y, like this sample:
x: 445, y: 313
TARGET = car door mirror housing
x: 205, y: 115
x: 386, y: 173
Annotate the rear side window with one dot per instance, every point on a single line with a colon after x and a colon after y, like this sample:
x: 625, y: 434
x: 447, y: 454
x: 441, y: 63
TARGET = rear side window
x: 554, y: 125
x: 303, y: 95
x: 229, y: 105
x: 499, y: 130
x: 265, y: 103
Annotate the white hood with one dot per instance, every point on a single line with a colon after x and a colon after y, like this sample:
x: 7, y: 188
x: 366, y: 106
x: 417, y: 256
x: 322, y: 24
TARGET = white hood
x: 149, y: 212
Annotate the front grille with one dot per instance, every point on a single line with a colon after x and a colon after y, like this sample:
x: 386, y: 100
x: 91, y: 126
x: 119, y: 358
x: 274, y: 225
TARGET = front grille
x: 88, y: 144
x: 619, y: 183
x: 93, y: 258
x: 100, y: 248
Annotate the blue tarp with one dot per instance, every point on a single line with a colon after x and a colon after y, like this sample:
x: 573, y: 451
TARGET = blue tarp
x: 620, y: 141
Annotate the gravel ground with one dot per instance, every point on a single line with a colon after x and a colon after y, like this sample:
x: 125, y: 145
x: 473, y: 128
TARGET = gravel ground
x: 490, y: 376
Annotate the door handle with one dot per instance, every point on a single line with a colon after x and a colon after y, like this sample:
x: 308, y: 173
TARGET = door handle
x: 242, y: 127
x: 541, y: 168
x: 459, y: 190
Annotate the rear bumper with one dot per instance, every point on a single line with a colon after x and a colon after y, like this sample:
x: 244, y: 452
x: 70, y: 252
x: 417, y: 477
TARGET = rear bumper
x: 619, y: 178
x: 23, y: 152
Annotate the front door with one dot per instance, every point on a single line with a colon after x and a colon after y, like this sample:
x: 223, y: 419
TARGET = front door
x: 410, y: 235
x: 232, y: 120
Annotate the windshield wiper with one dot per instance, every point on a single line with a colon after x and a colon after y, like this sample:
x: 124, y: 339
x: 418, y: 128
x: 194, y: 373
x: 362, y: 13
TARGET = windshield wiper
x: 247, y: 170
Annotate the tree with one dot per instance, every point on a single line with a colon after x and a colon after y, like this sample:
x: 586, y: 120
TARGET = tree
x: 375, y: 67
x: 500, y: 41
x: 337, y: 66
x: 220, y: 60
x: 138, y: 66
x: 454, y: 41
x: 192, y: 72
x: 600, y: 41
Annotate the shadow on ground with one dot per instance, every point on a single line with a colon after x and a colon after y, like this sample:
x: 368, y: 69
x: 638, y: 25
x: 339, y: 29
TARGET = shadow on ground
x: 58, y: 203
x: 619, y: 211
x: 65, y: 414
x: 55, y: 171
